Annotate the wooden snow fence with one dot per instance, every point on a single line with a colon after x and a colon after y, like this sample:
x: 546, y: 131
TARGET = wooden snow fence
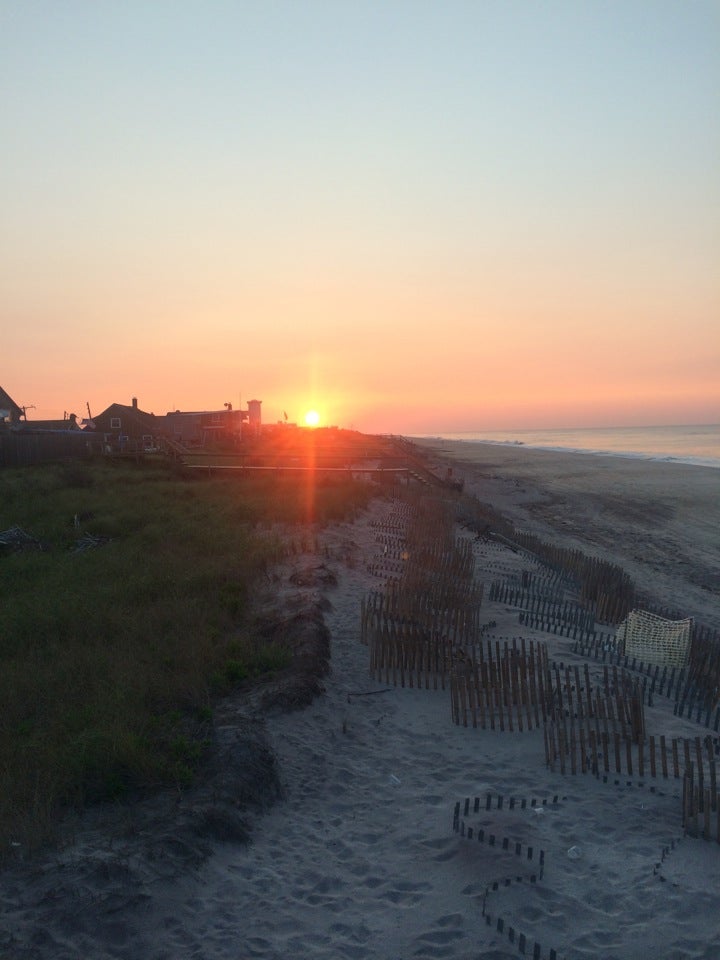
x: 447, y: 572
x: 458, y: 623
x: 700, y: 800
x: 503, y: 688
x: 412, y: 638
x: 705, y: 663
x: 599, y: 748
x: 544, y: 611
x: 415, y: 623
x: 620, y: 698
x: 441, y: 600
x: 396, y: 523
x: 603, y: 587
x: 431, y: 521
x: 408, y: 654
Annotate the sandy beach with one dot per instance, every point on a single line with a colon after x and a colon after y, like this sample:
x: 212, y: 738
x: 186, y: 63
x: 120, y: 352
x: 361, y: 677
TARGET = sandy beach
x: 658, y: 520
x: 378, y: 827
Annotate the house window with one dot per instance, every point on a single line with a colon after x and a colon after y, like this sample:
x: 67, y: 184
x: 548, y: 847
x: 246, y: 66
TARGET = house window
x: 114, y: 423
x: 217, y: 418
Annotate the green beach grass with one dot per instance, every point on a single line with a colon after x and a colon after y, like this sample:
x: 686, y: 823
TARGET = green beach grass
x: 121, y: 629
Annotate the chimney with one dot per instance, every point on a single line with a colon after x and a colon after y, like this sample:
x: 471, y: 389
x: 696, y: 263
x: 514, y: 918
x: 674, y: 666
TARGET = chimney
x: 134, y: 403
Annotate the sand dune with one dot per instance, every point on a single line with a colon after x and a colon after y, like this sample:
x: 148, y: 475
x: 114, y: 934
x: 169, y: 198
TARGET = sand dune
x: 361, y: 857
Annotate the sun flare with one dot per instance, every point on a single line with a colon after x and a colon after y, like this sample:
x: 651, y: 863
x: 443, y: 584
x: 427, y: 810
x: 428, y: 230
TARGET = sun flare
x: 312, y: 418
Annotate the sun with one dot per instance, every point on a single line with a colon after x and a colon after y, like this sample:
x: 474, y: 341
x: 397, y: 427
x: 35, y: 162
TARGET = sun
x: 312, y: 418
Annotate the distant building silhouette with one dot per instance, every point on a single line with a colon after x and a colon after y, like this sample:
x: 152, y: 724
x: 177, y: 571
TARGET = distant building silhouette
x: 121, y: 420
x: 10, y: 412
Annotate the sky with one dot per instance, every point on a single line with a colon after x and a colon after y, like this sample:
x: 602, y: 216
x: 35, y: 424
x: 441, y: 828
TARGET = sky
x: 412, y: 216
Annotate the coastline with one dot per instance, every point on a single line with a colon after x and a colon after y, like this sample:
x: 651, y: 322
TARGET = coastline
x: 659, y: 520
x: 697, y: 445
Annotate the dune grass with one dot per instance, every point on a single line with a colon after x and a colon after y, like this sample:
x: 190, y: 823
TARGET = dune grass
x: 119, y: 630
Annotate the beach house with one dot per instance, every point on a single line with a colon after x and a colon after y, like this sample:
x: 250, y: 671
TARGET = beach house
x: 122, y: 423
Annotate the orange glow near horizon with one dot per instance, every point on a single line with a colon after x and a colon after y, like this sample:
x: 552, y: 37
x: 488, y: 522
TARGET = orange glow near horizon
x: 482, y: 380
x: 393, y: 270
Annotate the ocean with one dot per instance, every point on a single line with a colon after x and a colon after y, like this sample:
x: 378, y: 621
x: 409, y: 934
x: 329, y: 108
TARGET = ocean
x: 699, y: 444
